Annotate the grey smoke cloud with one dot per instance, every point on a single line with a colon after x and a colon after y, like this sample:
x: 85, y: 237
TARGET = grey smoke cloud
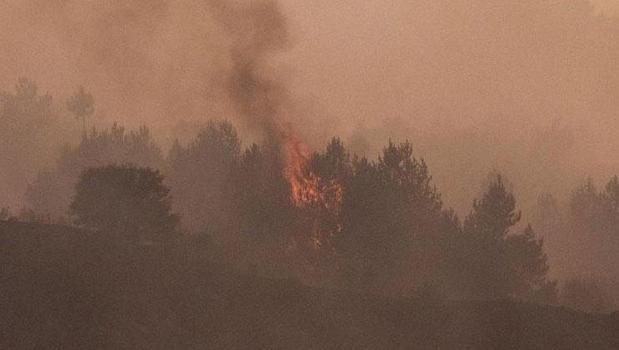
x: 257, y: 31
x: 148, y: 62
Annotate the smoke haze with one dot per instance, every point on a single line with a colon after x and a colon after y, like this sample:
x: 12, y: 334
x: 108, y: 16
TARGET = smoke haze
x: 441, y: 130
x: 528, y: 88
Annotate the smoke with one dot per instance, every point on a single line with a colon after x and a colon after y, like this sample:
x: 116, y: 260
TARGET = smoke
x: 528, y: 88
x: 258, y: 30
x: 153, y: 62
x: 606, y: 7
x: 161, y: 63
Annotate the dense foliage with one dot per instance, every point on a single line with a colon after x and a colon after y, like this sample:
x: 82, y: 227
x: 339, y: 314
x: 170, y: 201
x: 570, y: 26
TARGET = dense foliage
x: 50, y: 192
x: 380, y: 228
x: 126, y: 201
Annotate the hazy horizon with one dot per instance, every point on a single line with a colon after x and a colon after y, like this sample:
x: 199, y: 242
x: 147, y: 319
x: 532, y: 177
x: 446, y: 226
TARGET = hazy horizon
x: 528, y: 88
x: 309, y: 174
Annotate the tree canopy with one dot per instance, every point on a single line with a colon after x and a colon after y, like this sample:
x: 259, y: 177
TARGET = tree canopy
x: 125, y: 200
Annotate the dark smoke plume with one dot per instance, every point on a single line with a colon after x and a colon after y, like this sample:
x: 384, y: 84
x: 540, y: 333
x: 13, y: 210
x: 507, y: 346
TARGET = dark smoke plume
x: 149, y: 62
x: 258, y: 30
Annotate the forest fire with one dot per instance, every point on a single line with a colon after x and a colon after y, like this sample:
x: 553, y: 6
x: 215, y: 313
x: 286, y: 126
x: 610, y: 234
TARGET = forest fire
x: 320, y: 198
x: 304, y: 183
x: 307, y: 188
x: 289, y: 174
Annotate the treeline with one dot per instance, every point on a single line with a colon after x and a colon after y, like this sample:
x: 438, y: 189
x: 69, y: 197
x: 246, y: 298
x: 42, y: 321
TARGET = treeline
x: 385, y: 230
x: 29, y: 122
x: 584, y: 227
x: 381, y: 226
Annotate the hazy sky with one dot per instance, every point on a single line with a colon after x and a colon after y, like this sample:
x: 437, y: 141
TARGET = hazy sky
x: 529, y: 87
x: 608, y: 6
x: 525, y: 87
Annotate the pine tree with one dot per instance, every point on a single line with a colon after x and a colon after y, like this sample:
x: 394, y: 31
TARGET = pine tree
x: 502, y: 263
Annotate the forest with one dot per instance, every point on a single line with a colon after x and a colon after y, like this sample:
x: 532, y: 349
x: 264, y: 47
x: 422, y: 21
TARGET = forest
x: 307, y: 175
x: 328, y: 218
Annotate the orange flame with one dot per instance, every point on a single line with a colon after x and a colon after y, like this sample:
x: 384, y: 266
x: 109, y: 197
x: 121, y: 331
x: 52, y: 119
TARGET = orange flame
x: 304, y: 184
x: 321, y: 200
x: 307, y: 188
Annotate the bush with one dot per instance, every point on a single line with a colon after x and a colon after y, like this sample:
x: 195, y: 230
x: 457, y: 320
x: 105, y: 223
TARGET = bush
x: 124, y: 200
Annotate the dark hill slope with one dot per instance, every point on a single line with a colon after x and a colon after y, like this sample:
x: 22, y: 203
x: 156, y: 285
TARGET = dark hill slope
x: 62, y: 288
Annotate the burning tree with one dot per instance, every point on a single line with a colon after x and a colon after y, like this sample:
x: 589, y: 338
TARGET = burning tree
x: 317, y: 189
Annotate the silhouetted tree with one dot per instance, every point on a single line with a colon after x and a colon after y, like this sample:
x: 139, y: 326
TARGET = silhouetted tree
x: 265, y: 217
x: 319, y: 220
x: 586, y: 232
x: 199, y: 175
x: 124, y: 200
x: 241, y: 200
x: 494, y: 214
x: 334, y: 165
x: 50, y: 192
x: 391, y: 213
x: 501, y: 263
x: 592, y: 221
x: 25, y: 121
x: 587, y: 208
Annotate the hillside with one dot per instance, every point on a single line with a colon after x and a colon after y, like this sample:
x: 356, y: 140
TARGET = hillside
x: 62, y: 288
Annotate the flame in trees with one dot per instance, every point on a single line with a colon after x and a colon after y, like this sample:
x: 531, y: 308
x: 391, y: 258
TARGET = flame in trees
x: 320, y: 199
x: 307, y: 188
x: 304, y: 185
